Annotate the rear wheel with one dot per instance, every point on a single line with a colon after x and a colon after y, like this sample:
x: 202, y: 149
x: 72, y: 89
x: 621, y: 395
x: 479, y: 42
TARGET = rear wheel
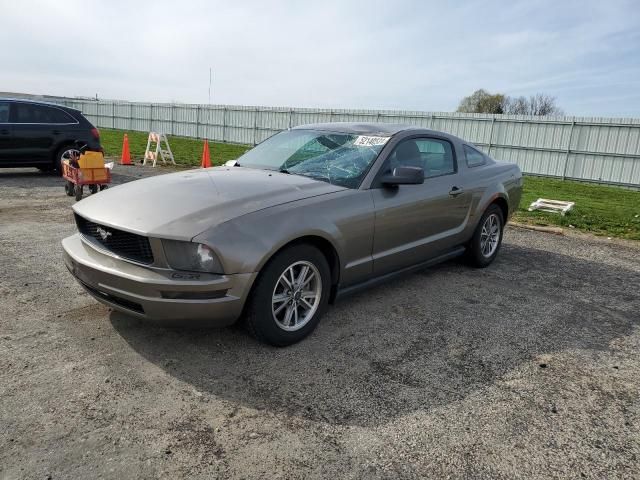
x: 65, y: 153
x: 78, y: 192
x: 93, y: 188
x: 289, y: 296
x: 486, y: 241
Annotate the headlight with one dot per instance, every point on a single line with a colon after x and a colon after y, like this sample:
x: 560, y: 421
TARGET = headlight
x: 190, y: 256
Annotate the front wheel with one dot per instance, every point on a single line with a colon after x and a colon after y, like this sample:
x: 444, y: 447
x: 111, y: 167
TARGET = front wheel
x: 486, y: 241
x: 69, y: 188
x: 289, y: 297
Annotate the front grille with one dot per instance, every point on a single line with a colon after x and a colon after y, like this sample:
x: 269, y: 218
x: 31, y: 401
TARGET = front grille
x: 124, y: 244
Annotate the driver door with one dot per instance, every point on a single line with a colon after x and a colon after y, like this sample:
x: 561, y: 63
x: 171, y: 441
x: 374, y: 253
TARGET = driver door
x: 414, y: 223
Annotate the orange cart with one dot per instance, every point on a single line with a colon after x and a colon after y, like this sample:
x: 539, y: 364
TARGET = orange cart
x: 87, y: 168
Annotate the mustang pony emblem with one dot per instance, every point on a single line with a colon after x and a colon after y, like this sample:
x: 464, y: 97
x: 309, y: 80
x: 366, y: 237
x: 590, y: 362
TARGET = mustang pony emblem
x: 104, y: 234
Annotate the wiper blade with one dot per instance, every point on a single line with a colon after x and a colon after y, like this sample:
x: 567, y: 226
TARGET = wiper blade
x: 306, y: 174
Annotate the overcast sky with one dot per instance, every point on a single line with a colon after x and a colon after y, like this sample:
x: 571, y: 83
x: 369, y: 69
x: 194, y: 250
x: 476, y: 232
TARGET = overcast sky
x: 415, y: 55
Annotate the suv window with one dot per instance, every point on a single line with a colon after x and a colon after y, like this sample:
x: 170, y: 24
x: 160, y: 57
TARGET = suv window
x: 473, y: 156
x: 4, y: 112
x: 27, y: 113
x: 434, y: 156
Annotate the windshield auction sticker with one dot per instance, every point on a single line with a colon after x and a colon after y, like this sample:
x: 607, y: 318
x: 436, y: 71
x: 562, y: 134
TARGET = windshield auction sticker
x: 364, y: 141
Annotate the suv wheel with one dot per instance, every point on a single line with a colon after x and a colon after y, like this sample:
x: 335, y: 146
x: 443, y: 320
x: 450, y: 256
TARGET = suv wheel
x: 289, y: 297
x: 64, y: 154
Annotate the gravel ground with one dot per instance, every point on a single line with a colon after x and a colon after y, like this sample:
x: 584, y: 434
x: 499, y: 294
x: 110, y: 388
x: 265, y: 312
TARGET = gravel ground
x: 527, y: 369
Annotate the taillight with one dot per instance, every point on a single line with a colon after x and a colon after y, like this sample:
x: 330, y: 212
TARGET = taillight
x: 95, y: 133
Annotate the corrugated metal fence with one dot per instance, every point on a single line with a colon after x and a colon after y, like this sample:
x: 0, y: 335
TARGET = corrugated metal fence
x: 603, y: 150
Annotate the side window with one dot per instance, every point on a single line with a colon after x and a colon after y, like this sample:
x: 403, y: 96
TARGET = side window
x: 27, y: 113
x: 4, y: 112
x: 473, y: 156
x: 438, y: 157
x: 434, y: 156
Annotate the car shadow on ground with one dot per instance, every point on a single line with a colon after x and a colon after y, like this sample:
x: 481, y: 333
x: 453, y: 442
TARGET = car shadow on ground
x: 414, y: 344
x: 18, y: 177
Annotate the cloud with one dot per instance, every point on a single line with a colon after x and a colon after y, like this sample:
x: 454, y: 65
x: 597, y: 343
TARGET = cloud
x: 413, y: 55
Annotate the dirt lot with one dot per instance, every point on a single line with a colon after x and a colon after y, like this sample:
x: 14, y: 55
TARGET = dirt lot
x: 527, y: 369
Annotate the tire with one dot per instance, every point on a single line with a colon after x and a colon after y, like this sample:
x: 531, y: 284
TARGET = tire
x: 480, y: 254
x: 60, y: 154
x: 269, y: 321
x: 103, y: 187
x: 69, y: 188
x: 93, y: 188
x: 78, y: 192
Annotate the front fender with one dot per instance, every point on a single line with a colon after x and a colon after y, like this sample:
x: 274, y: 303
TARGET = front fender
x: 344, y: 219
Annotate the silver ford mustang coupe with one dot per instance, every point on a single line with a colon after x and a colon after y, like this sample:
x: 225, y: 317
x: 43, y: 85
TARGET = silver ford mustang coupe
x: 308, y: 215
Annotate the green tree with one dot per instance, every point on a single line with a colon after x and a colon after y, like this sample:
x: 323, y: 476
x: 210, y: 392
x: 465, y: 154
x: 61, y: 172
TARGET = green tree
x: 482, y: 101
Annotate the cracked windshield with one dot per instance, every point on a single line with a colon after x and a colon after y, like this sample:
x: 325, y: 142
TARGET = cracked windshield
x: 338, y: 158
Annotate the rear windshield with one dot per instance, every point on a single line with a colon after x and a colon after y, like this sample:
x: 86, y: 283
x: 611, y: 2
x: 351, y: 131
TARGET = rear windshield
x: 338, y: 158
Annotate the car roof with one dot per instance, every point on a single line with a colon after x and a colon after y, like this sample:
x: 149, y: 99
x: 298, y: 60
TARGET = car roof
x: 370, y: 128
x: 37, y: 102
x: 356, y: 127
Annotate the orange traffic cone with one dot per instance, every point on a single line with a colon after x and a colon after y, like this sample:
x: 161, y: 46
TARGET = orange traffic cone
x: 206, y: 161
x: 126, y: 155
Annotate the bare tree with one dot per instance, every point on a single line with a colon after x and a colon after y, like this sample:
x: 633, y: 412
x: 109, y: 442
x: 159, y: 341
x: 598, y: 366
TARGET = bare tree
x: 517, y: 106
x: 538, y: 104
x: 542, y: 104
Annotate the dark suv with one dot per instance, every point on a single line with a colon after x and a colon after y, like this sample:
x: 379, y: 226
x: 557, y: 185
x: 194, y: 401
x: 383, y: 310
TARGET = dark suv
x: 36, y: 134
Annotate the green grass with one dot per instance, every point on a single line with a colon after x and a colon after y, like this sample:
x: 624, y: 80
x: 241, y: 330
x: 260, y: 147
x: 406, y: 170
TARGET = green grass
x: 601, y: 210
x: 186, y: 151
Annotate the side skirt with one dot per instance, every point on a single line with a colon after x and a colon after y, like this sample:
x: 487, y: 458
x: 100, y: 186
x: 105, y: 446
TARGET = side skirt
x: 372, y: 282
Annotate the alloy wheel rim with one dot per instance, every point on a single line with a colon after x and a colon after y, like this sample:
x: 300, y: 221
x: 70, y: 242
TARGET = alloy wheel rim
x: 490, y: 235
x: 67, y: 154
x: 296, y: 296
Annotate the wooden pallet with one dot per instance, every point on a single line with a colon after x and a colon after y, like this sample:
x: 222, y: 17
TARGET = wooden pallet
x: 553, y: 206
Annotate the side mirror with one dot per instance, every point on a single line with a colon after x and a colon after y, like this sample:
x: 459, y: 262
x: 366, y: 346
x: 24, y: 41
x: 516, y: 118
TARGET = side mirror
x: 231, y: 163
x: 404, y: 176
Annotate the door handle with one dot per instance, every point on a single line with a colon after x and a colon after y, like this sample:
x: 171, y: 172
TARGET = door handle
x: 455, y: 191
x: 56, y: 132
x: 4, y: 132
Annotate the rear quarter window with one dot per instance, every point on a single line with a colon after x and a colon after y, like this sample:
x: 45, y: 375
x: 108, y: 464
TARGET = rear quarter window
x: 474, y: 157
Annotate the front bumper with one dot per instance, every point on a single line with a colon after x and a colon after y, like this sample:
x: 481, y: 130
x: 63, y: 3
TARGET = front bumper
x: 162, y: 295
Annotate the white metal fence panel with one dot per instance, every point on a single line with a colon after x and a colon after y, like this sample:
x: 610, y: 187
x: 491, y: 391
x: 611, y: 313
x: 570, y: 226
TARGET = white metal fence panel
x: 604, y: 150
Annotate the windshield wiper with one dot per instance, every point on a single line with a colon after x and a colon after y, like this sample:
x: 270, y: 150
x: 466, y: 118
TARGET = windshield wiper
x: 307, y: 174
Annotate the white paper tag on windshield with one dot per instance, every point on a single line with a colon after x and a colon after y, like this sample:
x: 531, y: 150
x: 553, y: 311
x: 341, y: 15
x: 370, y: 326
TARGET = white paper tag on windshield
x: 364, y: 141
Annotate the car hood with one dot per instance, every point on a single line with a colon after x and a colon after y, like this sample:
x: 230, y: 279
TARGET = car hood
x: 183, y: 204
